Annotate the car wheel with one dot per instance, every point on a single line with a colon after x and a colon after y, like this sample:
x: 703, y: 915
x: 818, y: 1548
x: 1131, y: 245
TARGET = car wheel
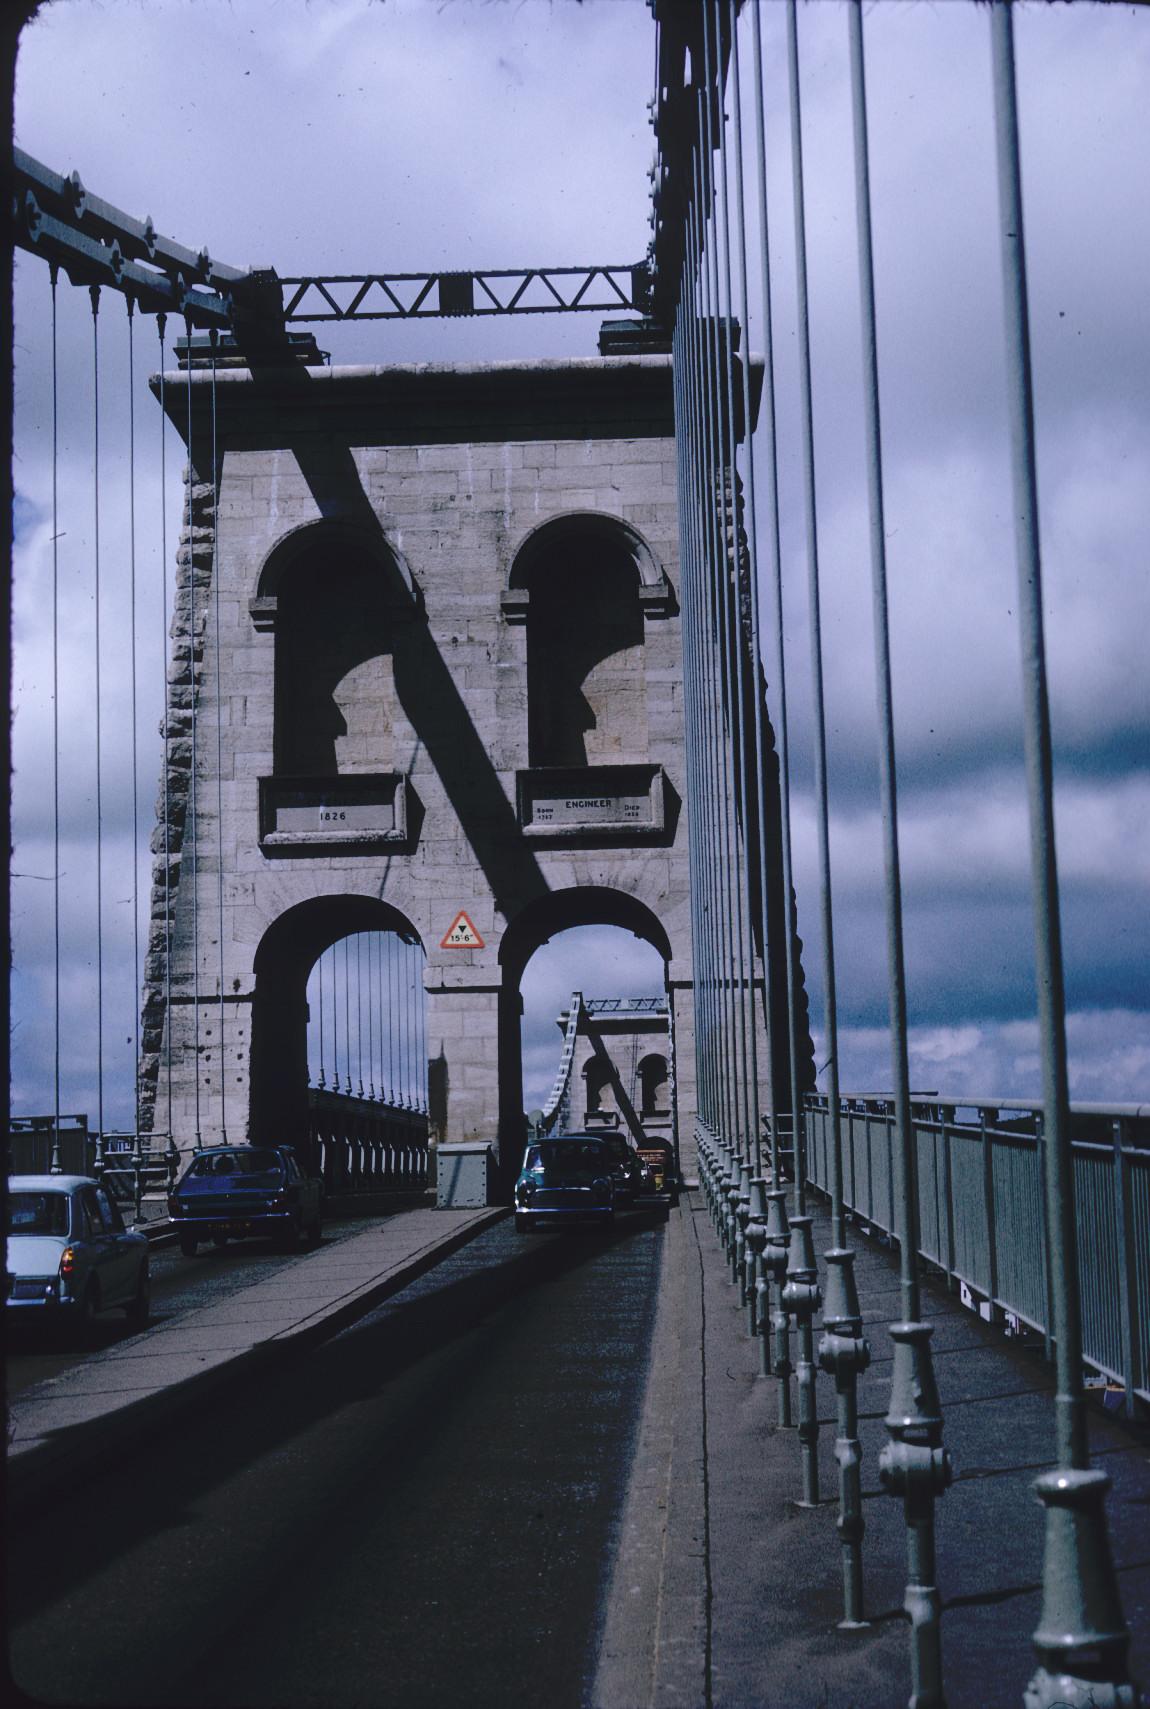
x: 288, y: 1240
x: 139, y: 1307
x: 88, y: 1312
x: 188, y: 1244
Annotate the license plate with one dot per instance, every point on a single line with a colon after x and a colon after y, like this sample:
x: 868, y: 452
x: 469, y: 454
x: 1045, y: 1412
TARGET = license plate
x: 238, y: 1227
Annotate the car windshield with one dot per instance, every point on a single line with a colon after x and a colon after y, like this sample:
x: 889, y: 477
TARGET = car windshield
x: 568, y: 1160
x: 247, y: 1162
x: 38, y: 1213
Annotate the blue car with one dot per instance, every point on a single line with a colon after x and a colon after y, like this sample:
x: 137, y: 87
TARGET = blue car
x: 563, y: 1179
x: 228, y: 1192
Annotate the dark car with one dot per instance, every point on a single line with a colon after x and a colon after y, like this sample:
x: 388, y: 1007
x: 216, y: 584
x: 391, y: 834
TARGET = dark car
x: 563, y: 1179
x: 231, y: 1191
x: 630, y: 1175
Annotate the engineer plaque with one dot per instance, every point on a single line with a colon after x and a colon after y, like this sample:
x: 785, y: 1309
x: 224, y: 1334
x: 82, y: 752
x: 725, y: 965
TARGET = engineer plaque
x: 592, y: 803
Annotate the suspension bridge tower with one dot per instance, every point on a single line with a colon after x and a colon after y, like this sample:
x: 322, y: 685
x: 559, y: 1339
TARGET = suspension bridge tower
x: 427, y: 677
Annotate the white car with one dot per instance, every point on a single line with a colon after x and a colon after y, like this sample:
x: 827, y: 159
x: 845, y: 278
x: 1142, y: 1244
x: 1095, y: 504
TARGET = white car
x: 69, y: 1254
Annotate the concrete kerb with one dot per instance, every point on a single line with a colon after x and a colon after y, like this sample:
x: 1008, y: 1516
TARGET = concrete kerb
x: 66, y: 1453
x: 655, y: 1648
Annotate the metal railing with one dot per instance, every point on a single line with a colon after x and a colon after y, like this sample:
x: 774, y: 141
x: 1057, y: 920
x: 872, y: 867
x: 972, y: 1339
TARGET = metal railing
x: 134, y: 1167
x: 981, y: 1208
x: 361, y: 1146
x: 557, y: 1108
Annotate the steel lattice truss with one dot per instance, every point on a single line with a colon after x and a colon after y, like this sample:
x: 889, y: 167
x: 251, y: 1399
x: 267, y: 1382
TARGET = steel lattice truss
x: 495, y: 291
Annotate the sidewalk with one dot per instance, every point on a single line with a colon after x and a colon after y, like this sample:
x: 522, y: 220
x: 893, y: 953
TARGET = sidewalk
x: 59, y: 1427
x: 726, y: 1594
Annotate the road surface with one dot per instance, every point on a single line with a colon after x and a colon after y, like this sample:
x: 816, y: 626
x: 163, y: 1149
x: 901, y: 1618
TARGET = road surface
x: 420, y: 1513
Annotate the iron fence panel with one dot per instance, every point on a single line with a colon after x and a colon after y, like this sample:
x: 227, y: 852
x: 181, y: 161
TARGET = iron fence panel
x: 982, y: 1212
x: 1019, y: 1219
x: 932, y: 1214
x: 1138, y: 1244
x: 1098, y: 1267
x: 973, y: 1229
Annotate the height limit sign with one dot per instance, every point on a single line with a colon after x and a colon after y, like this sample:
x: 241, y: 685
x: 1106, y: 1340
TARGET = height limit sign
x: 461, y: 934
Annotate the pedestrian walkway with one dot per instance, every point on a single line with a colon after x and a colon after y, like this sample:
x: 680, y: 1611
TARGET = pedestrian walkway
x: 60, y: 1426
x: 725, y: 1593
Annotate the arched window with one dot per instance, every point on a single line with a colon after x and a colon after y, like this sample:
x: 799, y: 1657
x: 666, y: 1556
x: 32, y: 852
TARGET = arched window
x: 599, y: 1093
x: 335, y: 690
x: 587, y: 696
x: 654, y: 1086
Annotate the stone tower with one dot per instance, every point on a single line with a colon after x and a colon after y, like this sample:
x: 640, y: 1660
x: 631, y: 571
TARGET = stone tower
x: 428, y: 626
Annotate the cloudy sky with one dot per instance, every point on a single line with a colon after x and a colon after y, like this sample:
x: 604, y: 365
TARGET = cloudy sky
x: 403, y: 134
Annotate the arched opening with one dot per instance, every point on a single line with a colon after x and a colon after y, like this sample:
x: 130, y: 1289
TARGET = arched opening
x: 335, y: 689
x: 586, y: 683
x: 598, y: 1088
x: 606, y: 946
x: 655, y: 1086
x: 339, y: 1055
x: 332, y: 597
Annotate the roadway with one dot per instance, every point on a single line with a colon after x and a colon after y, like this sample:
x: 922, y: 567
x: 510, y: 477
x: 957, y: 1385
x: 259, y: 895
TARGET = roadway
x: 423, y: 1511
x: 36, y: 1355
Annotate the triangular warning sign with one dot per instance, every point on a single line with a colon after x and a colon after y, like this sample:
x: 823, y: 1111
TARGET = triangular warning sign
x: 461, y: 934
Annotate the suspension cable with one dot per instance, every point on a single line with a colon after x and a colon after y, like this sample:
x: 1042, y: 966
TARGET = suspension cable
x: 94, y: 293
x: 213, y: 336
x: 347, y: 1015
x: 135, y: 1011
x: 55, y: 1165
x: 330, y: 958
x: 319, y: 982
x: 760, y: 761
x: 191, y: 838
x: 820, y: 744
x: 780, y: 658
x: 370, y: 1019
x: 390, y: 1021
x: 359, y: 1008
x: 161, y: 328
x: 736, y: 668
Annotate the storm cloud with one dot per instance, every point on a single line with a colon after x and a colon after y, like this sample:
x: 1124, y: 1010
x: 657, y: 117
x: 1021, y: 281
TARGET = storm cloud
x: 347, y: 135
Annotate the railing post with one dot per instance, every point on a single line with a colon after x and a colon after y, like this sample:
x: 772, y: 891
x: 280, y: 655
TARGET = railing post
x: 844, y: 1354
x: 756, y: 1240
x: 802, y: 1297
x: 775, y: 1263
x: 742, y: 1209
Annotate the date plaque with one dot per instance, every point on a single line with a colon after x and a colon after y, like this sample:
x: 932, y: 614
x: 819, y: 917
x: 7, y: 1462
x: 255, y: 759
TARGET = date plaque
x: 310, y: 813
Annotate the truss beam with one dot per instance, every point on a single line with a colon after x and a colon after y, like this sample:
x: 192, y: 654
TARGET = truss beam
x: 491, y: 291
x: 95, y: 243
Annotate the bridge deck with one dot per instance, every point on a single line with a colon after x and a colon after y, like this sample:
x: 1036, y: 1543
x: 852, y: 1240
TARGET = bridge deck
x: 721, y: 1573
x: 722, y: 1592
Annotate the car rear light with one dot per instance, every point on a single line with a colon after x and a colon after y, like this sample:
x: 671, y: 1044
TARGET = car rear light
x: 68, y: 1261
